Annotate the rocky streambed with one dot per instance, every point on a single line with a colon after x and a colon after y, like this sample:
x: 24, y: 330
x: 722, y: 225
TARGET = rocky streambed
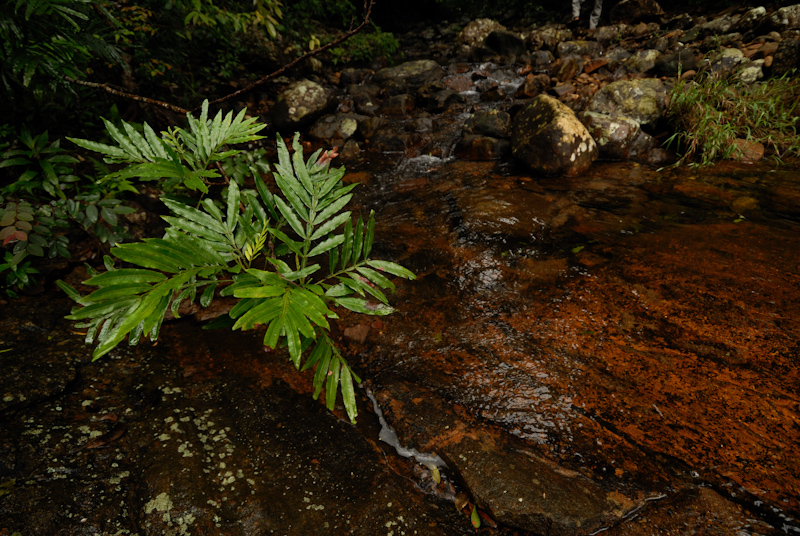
x: 608, y: 351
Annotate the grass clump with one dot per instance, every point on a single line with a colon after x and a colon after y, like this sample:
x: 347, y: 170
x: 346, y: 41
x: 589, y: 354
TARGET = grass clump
x: 710, y: 113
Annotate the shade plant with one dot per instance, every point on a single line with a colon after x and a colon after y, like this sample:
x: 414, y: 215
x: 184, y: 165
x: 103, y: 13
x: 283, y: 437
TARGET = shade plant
x: 291, y: 258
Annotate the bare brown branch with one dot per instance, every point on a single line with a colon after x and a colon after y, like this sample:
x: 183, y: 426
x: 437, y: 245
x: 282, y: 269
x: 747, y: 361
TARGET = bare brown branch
x: 310, y: 54
x: 130, y: 96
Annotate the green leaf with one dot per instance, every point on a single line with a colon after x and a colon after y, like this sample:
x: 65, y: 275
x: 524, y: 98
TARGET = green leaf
x: 333, y: 383
x: 291, y: 217
x: 348, y: 393
x: 194, y: 215
x: 332, y: 209
x: 347, y: 246
x: 69, y: 290
x: 375, y: 277
x: 358, y: 240
x: 101, y: 309
x: 326, y: 245
x: 233, y: 204
x: 125, y: 275
x: 296, y: 247
x: 259, y: 292
x: 392, y: 268
x: 360, y: 305
x: 330, y: 225
x: 112, y: 292
x: 208, y: 295
x: 369, y: 234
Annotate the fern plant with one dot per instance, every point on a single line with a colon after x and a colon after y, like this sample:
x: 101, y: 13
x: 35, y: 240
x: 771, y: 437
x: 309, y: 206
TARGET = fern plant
x: 291, y: 258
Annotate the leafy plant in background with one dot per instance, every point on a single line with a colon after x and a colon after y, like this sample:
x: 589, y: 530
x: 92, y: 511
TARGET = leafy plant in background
x: 365, y: 47
x: 43, y: 195
x: 711, y: 113
x: 44, y: 40
x: 290, y: 258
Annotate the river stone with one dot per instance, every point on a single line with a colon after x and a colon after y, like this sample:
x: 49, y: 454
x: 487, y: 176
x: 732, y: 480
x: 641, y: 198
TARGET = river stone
x: 614, y: 135
x: 787, y: 57
x: 728, y: 60
x: 642, y: 61
x: 505, y: 43
x: 492, y: 123
x: 409, y: 76
x: 398, y: 105
x: 720, y: 25
x: 750, y: 20
x: 548, y: 137
x: 299, y: 104
x: 548, y: 37
x: 476, y: 31
x: 751, y: 72
x: 633, y: 11
x: 591, y: 49
x: 786, y: 18
x: 676, y: 63
x: 642, y: 100
x: 480, y: 148
x: 339, y: 126
x: 605, y: 35
x: 533, y: 85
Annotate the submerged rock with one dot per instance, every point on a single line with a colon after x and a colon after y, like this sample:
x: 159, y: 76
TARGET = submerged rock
x: 548, y: 137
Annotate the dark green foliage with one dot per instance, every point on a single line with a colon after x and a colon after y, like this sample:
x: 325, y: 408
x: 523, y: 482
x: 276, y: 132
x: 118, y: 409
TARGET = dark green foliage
x: 41, y: 41
x: 290, y: 259
x: 365, y: 47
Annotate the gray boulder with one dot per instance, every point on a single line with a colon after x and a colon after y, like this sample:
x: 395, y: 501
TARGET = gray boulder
x: 550, y: 139
x: 409, y: 76
x: 642, y: 100
x: 300, y: 104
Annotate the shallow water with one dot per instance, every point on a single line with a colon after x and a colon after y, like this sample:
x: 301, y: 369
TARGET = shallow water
x: 633, y: 323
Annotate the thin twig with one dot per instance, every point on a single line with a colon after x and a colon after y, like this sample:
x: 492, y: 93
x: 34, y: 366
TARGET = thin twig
x: 130, y: 96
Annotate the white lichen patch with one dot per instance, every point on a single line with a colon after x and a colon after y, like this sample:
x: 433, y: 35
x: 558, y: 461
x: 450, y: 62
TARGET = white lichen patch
x: 117, y: 479
x: 161, y: 503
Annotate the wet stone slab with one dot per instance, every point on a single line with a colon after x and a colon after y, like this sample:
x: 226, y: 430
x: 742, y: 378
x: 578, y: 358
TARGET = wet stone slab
x: 145, y: 442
